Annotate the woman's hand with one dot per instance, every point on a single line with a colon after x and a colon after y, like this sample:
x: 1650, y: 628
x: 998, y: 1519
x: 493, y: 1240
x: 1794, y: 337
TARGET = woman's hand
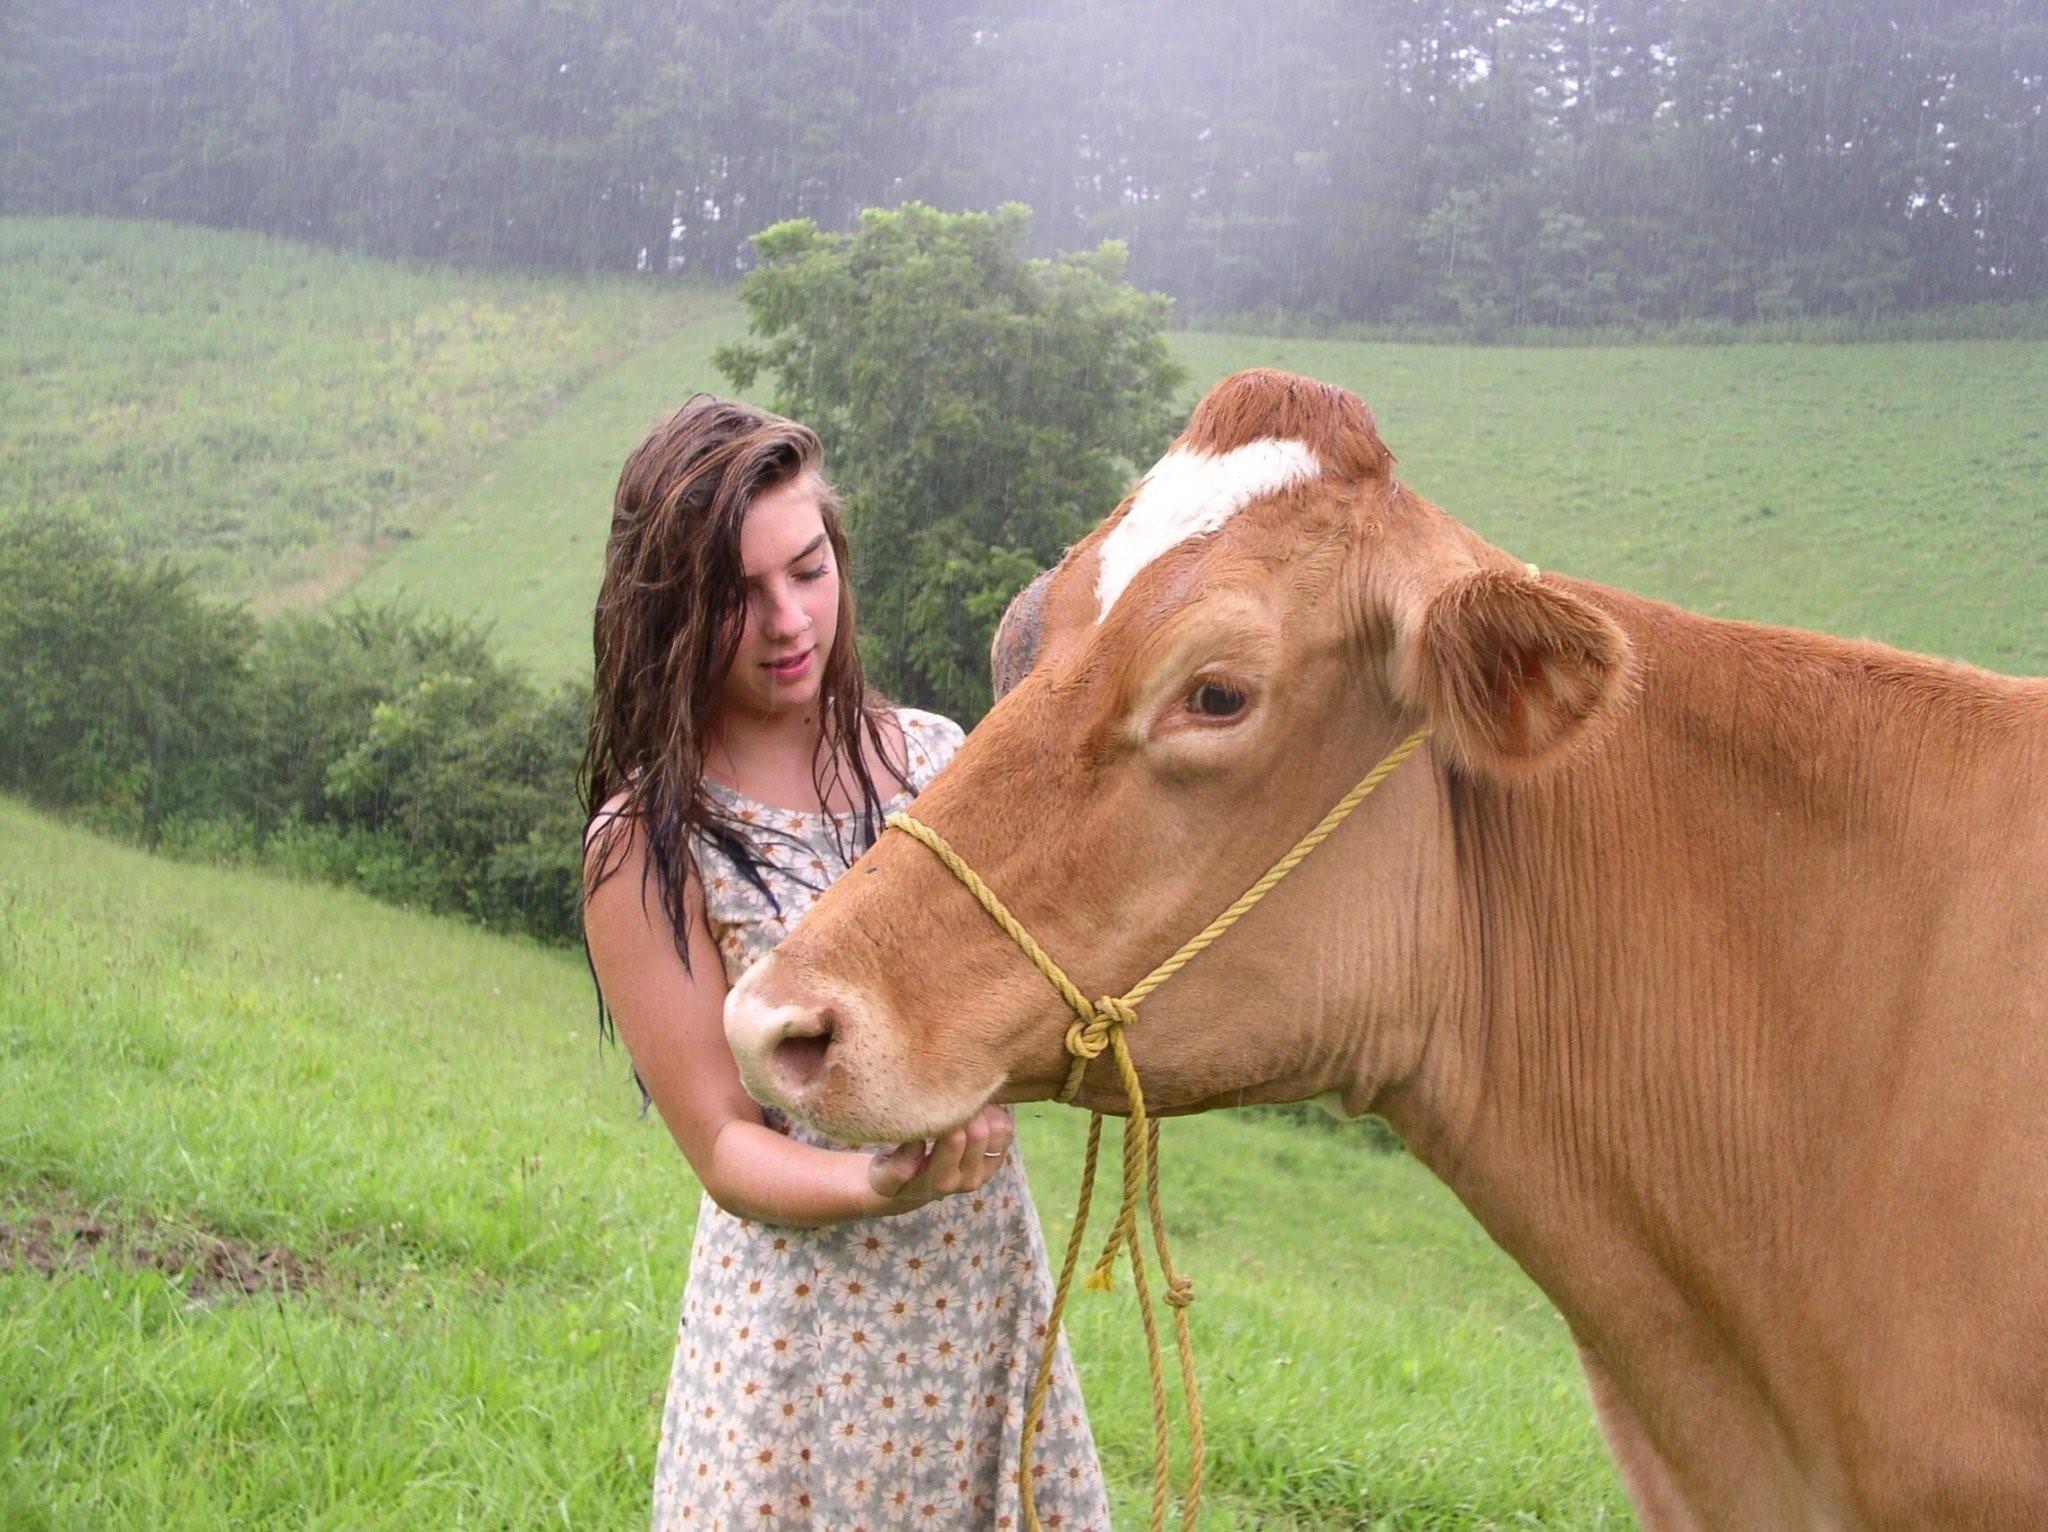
x: 963, y: 1161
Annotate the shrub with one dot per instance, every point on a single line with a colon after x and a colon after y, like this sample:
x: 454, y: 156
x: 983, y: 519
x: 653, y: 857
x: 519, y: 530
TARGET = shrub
x: 126, y: 692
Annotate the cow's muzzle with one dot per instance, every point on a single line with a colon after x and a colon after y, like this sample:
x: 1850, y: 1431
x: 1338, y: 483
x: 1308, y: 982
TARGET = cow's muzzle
x: 782, y: 1046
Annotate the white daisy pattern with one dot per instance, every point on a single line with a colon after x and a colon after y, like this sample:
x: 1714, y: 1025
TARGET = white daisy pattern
x: 870, y: 1374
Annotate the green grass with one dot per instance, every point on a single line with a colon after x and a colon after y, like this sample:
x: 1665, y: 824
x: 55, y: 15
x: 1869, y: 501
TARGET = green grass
x: 1885, y: 491
x: 270, y: 412
x: 522, y: 546
x: 419, y: 1111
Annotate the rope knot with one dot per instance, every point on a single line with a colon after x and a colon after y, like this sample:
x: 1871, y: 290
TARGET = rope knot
x: 1180, y: 1292
x: 1086, y: 1043
x: 1114, y: 1010
x: 1087, y: 1039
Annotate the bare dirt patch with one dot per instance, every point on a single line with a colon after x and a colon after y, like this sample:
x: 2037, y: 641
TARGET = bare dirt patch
x: 55, y: 1241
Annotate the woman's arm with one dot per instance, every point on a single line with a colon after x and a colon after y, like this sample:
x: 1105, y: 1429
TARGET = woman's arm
x: 672, y: 1021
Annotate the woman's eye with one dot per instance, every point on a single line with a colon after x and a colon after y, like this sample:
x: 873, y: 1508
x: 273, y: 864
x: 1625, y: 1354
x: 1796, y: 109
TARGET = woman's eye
x: 1213, y: 699
x: 809, y: 576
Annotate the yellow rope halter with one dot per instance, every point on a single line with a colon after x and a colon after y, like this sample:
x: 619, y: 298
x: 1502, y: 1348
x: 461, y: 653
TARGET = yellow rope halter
x: 1096, y: 1028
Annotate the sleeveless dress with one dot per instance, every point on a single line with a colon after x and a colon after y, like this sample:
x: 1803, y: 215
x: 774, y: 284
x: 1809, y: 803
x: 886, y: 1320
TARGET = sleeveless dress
x: 874, y: 1374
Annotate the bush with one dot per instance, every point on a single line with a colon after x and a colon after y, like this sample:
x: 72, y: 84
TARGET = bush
x: 316, y: 683
x: 126, y: 692
x: 361, y: 746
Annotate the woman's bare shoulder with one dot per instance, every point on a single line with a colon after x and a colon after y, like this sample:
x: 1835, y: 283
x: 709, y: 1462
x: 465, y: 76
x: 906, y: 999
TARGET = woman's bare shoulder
x: 610, y: 813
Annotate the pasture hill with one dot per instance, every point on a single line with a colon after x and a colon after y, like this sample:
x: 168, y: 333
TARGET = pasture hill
x: 1887, y: 491
x: 294, y: 423
x: 315, y: 1209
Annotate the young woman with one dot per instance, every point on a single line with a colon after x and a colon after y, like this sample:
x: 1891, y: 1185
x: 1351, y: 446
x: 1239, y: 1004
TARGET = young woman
x: 859, y: 1330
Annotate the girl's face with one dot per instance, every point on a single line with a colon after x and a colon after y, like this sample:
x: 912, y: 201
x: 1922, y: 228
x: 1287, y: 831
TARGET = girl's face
x: 792, y: 602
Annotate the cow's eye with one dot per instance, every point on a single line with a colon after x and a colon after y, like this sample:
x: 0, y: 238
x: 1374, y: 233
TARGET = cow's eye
x: 1215, y: 699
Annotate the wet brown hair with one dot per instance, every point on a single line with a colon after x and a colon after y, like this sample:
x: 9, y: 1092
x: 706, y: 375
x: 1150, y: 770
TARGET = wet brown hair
x: 669, y: 616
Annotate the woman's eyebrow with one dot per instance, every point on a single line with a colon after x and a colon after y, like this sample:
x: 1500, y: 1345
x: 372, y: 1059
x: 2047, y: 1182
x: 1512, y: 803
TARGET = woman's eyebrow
x: 806, y: 551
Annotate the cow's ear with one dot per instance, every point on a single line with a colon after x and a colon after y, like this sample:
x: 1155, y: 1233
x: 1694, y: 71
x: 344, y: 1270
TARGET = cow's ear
x: 1510, y: 671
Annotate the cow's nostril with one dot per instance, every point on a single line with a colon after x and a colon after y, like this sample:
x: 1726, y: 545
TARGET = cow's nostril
x: 800, y: 1054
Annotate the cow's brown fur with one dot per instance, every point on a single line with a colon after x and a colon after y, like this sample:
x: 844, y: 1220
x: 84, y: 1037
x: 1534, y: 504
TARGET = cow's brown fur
x: 1705, y: 961
x: 1265, y: 402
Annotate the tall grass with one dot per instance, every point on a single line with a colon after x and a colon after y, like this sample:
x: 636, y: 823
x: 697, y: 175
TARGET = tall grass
x: 419, y: 1112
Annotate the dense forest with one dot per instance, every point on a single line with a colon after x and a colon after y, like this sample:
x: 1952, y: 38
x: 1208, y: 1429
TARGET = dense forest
x: 1531, y: 162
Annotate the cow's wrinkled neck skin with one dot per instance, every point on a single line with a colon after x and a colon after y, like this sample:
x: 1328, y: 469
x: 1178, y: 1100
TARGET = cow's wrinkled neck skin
x: 1633, y: 1047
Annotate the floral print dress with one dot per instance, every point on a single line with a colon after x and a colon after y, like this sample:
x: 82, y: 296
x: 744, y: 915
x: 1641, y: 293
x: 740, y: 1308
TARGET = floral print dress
x: 872, y: 1374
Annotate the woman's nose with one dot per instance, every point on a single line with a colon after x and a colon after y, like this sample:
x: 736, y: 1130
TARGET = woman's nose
x: 783, y: 616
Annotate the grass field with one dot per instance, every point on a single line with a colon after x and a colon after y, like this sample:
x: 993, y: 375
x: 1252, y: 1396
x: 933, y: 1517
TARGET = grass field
x: 275, y: 413
x: 481, y: 1247
x: 1885, y: 491
x: 295, y: 422
x: 521, y: 546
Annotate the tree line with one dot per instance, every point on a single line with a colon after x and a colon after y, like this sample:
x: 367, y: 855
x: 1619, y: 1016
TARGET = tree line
x: 1527, y: 162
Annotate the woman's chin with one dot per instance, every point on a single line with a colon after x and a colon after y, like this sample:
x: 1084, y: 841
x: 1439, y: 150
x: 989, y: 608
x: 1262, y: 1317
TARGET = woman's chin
x: 797, y: 698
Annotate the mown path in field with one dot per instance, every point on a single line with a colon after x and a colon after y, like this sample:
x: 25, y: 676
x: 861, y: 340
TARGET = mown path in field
x: 273, y: 415
x: 520, y: 548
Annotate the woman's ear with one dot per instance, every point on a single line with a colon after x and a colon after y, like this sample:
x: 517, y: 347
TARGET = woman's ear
x: 1511, y: 672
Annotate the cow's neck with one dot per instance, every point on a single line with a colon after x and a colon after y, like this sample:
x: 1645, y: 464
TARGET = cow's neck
x: 1657, y: 999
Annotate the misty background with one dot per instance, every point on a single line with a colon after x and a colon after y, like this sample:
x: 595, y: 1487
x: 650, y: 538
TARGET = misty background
x: 1380, y: 162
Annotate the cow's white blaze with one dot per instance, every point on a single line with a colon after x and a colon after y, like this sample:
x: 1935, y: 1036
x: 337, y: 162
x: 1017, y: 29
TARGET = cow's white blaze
x: 1188, y: 493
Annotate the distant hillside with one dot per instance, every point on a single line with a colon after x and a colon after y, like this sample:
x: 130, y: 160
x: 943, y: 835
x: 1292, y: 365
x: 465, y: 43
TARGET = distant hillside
x: 521, y: 545
x: 271, y: 413
x: 296, y: 422
x: 1885, y: 491
x: 1896, y: 492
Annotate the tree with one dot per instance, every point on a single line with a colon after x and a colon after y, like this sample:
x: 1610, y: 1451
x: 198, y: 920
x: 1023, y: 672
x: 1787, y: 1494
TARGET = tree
x: 317, y: 679
x: 980, y: 411
x: 471, y: 774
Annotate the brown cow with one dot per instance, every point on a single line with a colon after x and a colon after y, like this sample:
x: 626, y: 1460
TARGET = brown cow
x: 1706, y: 962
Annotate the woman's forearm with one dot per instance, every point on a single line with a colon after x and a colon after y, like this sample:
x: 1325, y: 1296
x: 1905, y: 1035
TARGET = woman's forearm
x: 755, y: 1172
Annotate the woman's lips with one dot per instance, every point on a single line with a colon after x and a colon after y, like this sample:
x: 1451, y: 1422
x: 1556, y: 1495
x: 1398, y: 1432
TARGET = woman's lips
x: 792, y: 668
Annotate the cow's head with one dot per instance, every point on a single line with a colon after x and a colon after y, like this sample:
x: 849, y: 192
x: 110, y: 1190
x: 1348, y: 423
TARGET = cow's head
x: 1186, y: 693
